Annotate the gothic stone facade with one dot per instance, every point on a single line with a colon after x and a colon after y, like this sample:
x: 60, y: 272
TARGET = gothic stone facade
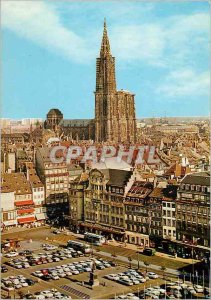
x: 115, y: 118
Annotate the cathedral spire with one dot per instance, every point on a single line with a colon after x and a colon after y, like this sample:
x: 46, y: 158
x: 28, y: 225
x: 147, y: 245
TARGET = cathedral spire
x: 105, y: 46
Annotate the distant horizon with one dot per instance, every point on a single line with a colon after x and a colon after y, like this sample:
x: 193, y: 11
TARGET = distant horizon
x: 139, y: 118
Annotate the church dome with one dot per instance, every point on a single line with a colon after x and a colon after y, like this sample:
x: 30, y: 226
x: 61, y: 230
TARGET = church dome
x: 55, y: 112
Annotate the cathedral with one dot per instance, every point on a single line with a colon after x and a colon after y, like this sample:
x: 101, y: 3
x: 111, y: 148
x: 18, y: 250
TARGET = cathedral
x: 115, y: 118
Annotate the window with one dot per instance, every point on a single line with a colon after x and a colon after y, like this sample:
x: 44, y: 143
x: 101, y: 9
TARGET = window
x: 198, y: 188
x: 192, y: 187
x: 187, y: 186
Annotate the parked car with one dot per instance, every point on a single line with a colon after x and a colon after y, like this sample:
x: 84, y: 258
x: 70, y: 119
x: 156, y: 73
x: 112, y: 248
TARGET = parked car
x: 198, y: 288
x: 11, y: 254
x: 56, y: 231
x: 149, y: 251
x: 152, y: 275
x: 125, y: 282
x: 30, y: 281
x: 26, y: 252
x: 4, y: 269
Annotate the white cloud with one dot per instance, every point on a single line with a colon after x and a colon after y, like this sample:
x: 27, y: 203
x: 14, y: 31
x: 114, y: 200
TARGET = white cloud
x: 142, y: 42
x: 184, y: 83
x: 39, y: 22
x: 176, y: 40
x: 172, y: 41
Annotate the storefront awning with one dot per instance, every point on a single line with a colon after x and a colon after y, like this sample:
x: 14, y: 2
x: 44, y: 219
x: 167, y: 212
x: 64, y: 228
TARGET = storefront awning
x: 25, y: 202
x: 102, y: 228
x: 41, y: 216
x: 25, y: 211
x: 10, y: 222
x: 26, y: 220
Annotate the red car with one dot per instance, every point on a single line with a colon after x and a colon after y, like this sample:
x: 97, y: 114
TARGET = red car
x: 45, y: 271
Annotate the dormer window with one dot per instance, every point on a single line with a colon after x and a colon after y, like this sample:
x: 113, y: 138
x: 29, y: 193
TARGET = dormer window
x: 198, y: 188
x: 204, y: 189
x: 192, y: 187
x: 187, y: 186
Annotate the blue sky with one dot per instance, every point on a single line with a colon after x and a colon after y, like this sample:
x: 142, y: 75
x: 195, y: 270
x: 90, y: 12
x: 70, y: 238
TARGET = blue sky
x: 50, y: 50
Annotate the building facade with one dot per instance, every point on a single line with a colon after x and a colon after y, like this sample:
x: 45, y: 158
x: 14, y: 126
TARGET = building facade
x: 38, y: 192
x: 137, y: 213
x: 104, y: 211
x: 115, y: 118
x: 54, y: 177
x: 193, y: 214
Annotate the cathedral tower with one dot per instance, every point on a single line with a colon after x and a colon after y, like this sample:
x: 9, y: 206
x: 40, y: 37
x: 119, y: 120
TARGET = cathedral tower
x: 114, y: 110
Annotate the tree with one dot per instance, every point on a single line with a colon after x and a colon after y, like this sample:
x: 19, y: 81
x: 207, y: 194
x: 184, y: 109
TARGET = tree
x: 163, y: 268
x: 146, y: 264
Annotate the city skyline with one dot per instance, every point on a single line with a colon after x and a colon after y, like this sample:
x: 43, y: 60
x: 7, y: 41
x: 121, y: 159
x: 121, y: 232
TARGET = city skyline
x: 175, y: 68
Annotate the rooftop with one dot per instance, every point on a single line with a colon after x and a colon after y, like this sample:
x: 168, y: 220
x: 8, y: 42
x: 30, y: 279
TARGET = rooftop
x: 16, y: 182
x: 199, y: 178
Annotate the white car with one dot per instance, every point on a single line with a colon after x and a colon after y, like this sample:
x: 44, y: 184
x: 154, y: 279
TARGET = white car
x: 191, y: 290
x: 135, y: 281
x: 18, y: 266
x: 199, y: 288
x: 18, y: 286
x: 40, y: 297
x: 152, y: 275
x: 68, y: 273
x: 112, y: 277
x: 74, y: 271
x: 132, y: 296
x: 37, y: 273
x: 54, y: 276
x: 24, y: 284
x: 87, y: 269
x: 142, y: 279
x: 56, y: 259
x: 47, y: 294
x: 11, y: 254
x: 125, y: 277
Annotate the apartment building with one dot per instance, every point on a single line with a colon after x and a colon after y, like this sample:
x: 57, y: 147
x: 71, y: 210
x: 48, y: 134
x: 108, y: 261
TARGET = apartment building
x: 54, y: 176
x: 193, y: 214
x: 137, y: 213
x: 104, y: 209
x: 38, y: 192
x: 23, y: 202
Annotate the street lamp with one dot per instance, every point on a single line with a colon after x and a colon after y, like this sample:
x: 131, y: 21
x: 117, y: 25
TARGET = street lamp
x: 138, y: 260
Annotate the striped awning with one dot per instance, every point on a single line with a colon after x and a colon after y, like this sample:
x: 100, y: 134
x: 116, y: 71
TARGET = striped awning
x: 25, y: 202
x: 26, y: 220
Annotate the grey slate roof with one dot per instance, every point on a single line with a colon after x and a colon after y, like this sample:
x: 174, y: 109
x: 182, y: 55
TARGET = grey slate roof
x: 75, y: 122
x: 118, y: 177
x: 200, y: 178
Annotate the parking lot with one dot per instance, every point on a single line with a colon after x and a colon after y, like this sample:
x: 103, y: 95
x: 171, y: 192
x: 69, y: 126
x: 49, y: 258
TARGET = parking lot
x: 54, y: 269
x: 68, y: 274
